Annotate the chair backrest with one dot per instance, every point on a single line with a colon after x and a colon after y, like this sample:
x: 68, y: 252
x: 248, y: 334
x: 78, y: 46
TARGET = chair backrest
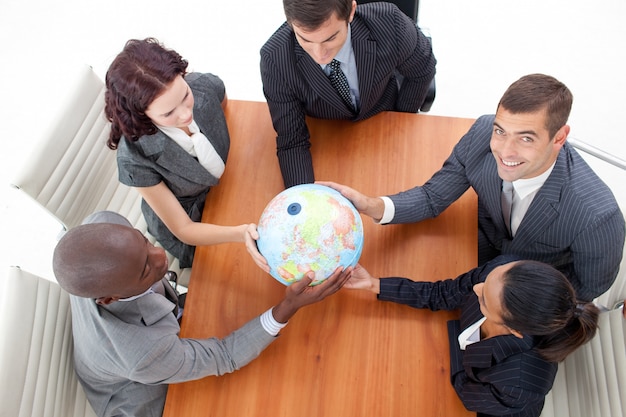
x: 591, y: 382
x: 72, y: 173
x: 36, y: 367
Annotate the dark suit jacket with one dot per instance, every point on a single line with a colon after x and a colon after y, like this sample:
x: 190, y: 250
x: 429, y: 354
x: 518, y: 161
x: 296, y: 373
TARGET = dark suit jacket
x: 573, y: 223
x: 384, y: 41
x: 501, y: 375
x: 156, y: 158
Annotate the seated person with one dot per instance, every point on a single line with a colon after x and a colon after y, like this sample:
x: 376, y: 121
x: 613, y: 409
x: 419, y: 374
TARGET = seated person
x: 127, y: 347
x: 172, y: 143
x: 386, y: 63
x: 518, y: 319
x: 560, y: 212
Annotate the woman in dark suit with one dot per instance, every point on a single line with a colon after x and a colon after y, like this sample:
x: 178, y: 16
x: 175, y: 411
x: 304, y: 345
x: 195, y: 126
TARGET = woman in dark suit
x: 172, y: 143
x: 519, y: 319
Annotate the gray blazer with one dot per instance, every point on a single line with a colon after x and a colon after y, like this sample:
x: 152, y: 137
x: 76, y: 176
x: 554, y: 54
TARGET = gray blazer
x: 126, y: 353
x: 155, y: 158
x: 574, y: 222
x: 385, y: 42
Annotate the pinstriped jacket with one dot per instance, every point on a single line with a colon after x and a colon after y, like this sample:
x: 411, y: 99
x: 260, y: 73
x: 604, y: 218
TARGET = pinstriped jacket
x: 384, y: 40
x: 573, y: 223
x: 501, y: 375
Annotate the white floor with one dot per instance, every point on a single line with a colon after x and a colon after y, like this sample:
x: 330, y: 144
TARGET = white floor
x: 481, y: 46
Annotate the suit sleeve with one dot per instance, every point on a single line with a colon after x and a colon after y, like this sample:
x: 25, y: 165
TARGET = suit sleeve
x: 446, y: 294
x: 596, y: 253
x: 502, y: 393
x: 450, y: 182
x: 189, y: 359
x: 416, y: 63
x: 289, y: 121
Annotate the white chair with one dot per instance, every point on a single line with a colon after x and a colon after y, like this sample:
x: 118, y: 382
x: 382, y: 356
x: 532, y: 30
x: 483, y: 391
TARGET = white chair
x: 591, y: 382
x: 72, y: 173
x: 36, y: 368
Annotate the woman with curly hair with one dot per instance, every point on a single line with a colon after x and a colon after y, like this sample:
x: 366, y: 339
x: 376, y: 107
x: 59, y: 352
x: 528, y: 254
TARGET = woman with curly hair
x: 172, y: 143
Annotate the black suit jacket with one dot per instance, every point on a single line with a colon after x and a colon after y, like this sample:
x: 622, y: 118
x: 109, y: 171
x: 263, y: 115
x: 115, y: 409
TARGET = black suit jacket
x: 384, y: 40
x: 500, y: 376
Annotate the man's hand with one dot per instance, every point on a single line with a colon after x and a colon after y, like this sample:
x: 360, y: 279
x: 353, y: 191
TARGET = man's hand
x: 300, y: 294
x: 370, y: 206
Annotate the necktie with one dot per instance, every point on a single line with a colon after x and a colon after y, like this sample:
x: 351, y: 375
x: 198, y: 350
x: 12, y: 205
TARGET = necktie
x: 507, y: 203
x: 340, y: 82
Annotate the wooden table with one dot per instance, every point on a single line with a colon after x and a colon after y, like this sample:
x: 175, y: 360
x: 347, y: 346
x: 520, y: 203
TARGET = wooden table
x: 349, y: 355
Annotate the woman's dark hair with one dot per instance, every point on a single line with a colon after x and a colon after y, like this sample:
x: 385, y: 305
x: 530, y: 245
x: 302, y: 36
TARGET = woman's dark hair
x: 310, y: 14
x: 535, y: 92
x: 538, y: 300
x: 137, y: 76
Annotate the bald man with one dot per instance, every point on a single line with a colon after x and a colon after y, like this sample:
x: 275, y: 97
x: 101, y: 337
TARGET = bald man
x: 126, y: 343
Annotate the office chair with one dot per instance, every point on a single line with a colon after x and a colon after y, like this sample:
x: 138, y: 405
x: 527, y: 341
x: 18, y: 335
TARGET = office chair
x: 71, y: 173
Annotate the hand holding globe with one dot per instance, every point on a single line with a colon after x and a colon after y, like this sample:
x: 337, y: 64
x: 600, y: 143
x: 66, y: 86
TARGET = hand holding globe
x: 309, y: 227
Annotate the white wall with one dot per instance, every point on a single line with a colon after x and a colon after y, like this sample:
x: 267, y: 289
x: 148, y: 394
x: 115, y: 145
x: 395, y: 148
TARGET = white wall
x: 481, y: 46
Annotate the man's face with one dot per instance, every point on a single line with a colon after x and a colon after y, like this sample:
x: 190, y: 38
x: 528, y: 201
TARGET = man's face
x: 522, y: 146
x: 138, y: 264
x: 323, y: 43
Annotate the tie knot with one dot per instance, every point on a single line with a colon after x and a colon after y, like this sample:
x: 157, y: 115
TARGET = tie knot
x: 507, y: 186
x: 335, y: 65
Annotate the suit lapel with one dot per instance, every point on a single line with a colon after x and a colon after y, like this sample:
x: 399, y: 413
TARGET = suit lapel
x: 492, y: 191
x: 318, y: 81
x: 172, y: 157
x: 543, y: 211
x: 365, y: 56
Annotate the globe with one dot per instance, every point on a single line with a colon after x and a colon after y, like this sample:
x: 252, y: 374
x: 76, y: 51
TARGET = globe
x: 309, y: 227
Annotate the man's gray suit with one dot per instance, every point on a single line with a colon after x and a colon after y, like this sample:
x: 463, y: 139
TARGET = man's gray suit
x: 573, y: 223
x: 126, y: 353
x: 385, y: 42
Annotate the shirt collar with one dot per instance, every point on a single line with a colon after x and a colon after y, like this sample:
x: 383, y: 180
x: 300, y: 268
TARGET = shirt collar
x: 134, y: 297
x: 343, y: 55
x: 525, y: 187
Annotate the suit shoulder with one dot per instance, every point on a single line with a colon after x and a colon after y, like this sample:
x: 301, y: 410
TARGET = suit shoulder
x: 378, y: 12
x: 583, y: 185
x: 281, y: 40
x: 206, y: 83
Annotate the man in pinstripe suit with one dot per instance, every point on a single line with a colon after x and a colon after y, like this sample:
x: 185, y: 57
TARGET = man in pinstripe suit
x: 563, y: 214
x: 386, y: 59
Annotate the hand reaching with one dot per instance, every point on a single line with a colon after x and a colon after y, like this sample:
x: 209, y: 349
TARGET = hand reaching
x: 300, y: 293
x: 250, y: 237
x: 362, y: 280
x: 370, y: 206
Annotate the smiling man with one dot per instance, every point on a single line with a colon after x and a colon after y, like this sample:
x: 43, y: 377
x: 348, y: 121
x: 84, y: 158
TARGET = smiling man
x: 562, y: 213
x: 334, y: 60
